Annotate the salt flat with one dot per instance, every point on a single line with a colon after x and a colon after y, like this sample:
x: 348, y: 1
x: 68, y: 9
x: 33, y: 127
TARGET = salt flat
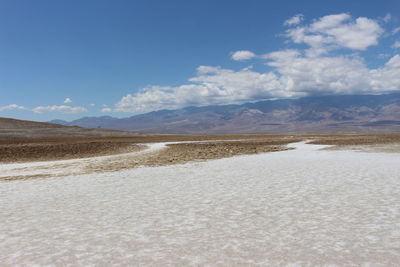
x: 297, y: 207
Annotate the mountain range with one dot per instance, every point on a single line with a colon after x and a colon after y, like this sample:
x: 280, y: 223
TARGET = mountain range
x: 344, y: 113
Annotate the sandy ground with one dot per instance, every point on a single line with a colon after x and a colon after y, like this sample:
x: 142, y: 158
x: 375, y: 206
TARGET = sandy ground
x: 302, y: 207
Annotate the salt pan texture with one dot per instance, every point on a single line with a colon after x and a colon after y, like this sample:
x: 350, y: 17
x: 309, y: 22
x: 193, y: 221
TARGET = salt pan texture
x: 297, y: 207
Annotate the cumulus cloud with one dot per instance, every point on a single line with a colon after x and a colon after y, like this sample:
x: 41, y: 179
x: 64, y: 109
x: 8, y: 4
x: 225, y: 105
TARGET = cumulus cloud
x: 394, y: 62
x: 395, y: 31
x: 106, y: 110
x: 212, y: 85
x: 295, y: 75
x: 294, y: 72
x: 318, y: 75
x: 62, y: 108
x: 67, y: 100
x: 296, y: 19
x: 335, y: 32
x: 242, y: 55
x: 12, y: 107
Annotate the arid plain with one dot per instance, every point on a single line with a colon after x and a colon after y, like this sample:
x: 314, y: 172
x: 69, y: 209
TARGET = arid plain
x: 93, y: 197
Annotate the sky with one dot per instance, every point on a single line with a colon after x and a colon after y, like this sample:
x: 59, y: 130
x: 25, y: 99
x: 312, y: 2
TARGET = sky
x: 72, y: 59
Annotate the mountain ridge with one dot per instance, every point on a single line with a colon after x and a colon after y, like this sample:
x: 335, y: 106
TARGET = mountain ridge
x: 338, y: 113
x: 14, y: 129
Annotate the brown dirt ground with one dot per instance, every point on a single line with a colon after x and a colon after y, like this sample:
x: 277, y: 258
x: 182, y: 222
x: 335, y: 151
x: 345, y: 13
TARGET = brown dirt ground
x: 382, y: 142
x: 58, y: 151
x: 212, y: 147
x: 143, y: 138
x: 343, y: 140
x: 57, y: 148
x: 188, y: 152
x: 172, y: 154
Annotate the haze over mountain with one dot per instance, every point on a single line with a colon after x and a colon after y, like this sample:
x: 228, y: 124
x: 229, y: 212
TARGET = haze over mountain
x: 346, y: 113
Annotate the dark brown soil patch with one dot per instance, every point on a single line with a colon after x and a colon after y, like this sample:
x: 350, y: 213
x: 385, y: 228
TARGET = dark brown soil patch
x: 59, y: 151
x: 189, y: 152
x: 356, y: 139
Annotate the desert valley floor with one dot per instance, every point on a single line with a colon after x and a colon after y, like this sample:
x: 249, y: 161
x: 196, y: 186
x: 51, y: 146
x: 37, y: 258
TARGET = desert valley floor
x: 300, y: 207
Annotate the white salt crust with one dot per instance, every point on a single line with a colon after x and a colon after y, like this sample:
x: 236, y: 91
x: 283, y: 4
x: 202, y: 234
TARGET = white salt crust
x: 302, y: 207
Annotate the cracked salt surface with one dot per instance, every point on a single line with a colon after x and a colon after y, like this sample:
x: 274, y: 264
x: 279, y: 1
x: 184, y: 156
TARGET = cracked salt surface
x: 297, y: 207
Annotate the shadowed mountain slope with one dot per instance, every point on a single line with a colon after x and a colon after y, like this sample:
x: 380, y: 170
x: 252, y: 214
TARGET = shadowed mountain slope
x: 22, y: 129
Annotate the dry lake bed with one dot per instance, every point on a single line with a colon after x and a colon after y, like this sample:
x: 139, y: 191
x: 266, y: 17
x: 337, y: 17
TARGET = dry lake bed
x: 305, y: 206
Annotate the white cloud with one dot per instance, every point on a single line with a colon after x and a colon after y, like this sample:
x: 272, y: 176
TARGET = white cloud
x: 295, y: 75
x: 67, y: 101
x: 396, y: 31
x: 387, y: 17
x: 285, y: 55
x: 394, y: 62
x: 386, y: 78
x: 62, y: 108
x: 12, y: 107
x: 92, y: 105
x: 335, y: 32
x: 242, y: 55
x: 396, y: 44
x: 106, y: 110
x: 318, y: 75
x: 293, y: 72
x: 333, y: 75
x: 294, y: 20
x: 212, y: 85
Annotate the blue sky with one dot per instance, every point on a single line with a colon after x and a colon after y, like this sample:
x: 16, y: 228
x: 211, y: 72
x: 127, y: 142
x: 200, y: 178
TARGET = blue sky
x: 69, y: 59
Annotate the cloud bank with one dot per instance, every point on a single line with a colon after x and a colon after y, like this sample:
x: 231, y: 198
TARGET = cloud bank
x: 42, y: 109
x: 325, y: 58
x: 62, y: 109
x: 12, y: 107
